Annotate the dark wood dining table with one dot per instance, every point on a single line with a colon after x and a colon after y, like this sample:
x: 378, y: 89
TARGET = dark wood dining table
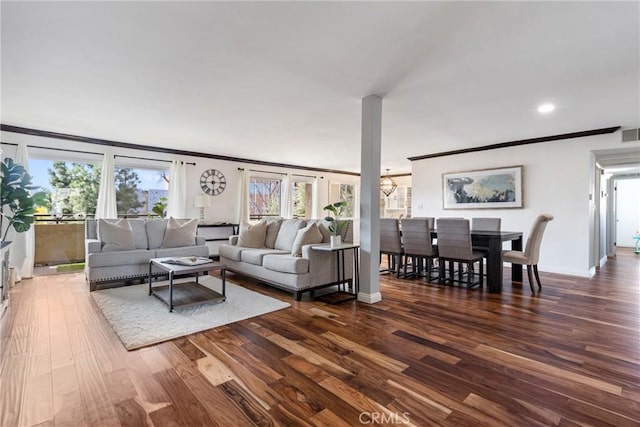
x: 492, y: 241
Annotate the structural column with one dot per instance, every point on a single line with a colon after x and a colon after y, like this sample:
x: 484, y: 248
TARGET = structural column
x: 370, y: 200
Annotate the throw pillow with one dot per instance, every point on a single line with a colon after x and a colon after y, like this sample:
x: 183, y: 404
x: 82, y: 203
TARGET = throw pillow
x: 288, y: 232
x: 115, y: 235
x: 309, y: 235
x: 273, y: 228
x: 253, y: 236
x: 155, y: 229
x: 178, y: 235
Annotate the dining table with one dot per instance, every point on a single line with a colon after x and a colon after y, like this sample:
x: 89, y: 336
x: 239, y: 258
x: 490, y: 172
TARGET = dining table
x: 492, y: 242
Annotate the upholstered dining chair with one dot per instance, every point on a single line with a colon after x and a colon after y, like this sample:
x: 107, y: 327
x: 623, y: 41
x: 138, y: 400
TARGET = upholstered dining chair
x: 418, y: 246
x: 486, y: 224
x: 531, y: 252
x: 454, y: 245
x: 391, y: 245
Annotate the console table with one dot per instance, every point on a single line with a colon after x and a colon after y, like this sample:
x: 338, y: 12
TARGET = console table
x: 216, y: 234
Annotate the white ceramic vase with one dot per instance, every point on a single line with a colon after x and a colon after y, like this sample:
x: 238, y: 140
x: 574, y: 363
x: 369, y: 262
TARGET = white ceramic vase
x: 336, y: 240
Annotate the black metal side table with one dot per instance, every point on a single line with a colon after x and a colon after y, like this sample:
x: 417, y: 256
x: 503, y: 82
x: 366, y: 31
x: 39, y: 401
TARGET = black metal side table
x: 342, y: 294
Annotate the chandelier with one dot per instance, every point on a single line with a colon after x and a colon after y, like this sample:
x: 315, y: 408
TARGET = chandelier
x: 387, y: 185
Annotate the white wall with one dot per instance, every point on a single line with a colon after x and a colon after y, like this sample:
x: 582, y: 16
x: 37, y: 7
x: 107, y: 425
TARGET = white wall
x: 556, y: 180
x: 224, y: 207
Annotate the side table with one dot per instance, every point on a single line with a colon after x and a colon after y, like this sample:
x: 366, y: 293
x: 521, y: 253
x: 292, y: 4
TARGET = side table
x: 342, y: 292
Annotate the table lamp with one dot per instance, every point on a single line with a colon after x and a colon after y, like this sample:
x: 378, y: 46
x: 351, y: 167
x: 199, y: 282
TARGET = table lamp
x: 201, y: 201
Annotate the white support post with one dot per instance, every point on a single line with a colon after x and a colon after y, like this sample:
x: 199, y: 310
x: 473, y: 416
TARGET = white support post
x: 370, y: 200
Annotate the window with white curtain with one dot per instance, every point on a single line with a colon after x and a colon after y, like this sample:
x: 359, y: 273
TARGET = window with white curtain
x: 71, y: 180
x: 265, y: 196
x: 302, y: 197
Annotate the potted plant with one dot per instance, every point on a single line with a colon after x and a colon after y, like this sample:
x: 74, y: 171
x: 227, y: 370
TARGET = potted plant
x: 160, y: 207
x: 17, y: 202
x: 336, y: 225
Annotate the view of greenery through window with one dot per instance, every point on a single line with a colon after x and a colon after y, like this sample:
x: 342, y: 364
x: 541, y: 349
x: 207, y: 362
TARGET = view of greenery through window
x: 346, y: 192
x: 302, y: 192
x: 72, y: 187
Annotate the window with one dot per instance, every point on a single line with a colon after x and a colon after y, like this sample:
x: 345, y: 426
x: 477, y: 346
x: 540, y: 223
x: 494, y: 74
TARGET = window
x: 139, y: 189
x: 302, y: 197
x: 71, y: 187
x: 264, y: 197
x: 347, y: 192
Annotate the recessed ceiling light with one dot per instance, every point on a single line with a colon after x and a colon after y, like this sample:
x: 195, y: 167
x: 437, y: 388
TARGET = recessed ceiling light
x: 546, y: 108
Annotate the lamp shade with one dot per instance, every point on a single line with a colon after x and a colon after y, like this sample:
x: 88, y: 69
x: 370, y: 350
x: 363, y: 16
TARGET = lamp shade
x: 201, y: 201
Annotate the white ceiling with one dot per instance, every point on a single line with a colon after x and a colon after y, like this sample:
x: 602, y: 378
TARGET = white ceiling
x: 283, y: 82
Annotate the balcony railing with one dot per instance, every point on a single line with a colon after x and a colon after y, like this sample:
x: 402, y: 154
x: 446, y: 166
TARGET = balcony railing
x: 59, y: 239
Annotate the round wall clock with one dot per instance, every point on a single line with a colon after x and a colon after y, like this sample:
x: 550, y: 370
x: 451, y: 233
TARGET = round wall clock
x: 212, y: 182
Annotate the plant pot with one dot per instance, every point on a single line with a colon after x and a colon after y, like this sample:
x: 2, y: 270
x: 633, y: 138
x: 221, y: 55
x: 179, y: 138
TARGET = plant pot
x: 336, y: 241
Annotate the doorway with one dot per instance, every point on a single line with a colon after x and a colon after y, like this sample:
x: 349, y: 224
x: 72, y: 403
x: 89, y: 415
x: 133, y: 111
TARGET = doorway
x: 627, y: 210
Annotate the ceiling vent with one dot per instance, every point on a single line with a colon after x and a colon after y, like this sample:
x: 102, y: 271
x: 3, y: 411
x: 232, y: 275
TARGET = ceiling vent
x: 631, y: 135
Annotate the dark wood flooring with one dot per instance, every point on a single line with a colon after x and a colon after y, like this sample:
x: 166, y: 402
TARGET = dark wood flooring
x: 425, y: 355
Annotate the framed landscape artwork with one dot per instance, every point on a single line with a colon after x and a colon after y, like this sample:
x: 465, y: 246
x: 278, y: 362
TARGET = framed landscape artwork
x: 483, y: 189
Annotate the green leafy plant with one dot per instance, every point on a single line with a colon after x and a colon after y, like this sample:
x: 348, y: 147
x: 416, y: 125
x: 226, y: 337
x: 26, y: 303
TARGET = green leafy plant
x: 336, y: 211
x: 160, y: 207
x: 18, y: 198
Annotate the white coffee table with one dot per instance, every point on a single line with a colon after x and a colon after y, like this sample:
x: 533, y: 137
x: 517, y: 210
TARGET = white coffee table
x: 186, y: 293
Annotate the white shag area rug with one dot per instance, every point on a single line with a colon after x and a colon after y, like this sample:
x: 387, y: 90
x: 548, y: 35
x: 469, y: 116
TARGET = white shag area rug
x: 140, y: 319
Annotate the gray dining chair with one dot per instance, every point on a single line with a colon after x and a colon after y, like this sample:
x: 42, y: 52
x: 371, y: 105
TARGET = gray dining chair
x: 418, y: 247
x: 454, y: 245
x: 531, y: 252
x: 391, y: 245
x: 486, y: 224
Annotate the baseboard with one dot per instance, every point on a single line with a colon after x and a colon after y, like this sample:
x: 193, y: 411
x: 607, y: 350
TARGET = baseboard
x: 603, y: 261
x: 369, y: 298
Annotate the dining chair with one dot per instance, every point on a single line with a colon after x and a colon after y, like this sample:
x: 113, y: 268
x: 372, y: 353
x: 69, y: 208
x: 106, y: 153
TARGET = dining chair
x: 454, y: 245
x: 531, y: 252
x: 418, y: 246
x: 391, y: 245
x: 486, y: 224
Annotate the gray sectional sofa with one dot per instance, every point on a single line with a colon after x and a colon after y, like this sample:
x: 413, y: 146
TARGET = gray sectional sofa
x: 272, y: 261
x: 107, y: 262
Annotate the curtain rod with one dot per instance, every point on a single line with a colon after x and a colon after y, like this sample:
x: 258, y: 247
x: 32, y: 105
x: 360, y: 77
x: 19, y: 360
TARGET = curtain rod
x: 281, y: 173
x: 55, y: 149
x: 92, y: 152
x: 154, y: 160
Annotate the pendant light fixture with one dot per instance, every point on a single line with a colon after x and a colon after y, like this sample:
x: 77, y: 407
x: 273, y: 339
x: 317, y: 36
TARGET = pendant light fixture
x: 388, y: 185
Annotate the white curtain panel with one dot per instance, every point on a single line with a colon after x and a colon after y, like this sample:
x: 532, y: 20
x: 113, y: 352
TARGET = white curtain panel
x: 287, y: 205
x: 243, y: 198
x: 314, y: 199
x: 177, y: 203
x: 23, y: 247
x: 107, y: 207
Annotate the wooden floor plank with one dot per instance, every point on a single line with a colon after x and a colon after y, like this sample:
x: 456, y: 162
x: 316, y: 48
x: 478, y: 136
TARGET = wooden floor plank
x: 67, y: 402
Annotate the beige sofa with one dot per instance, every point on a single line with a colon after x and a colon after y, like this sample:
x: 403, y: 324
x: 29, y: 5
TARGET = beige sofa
x: 273, y: 262
x: 105, y: 263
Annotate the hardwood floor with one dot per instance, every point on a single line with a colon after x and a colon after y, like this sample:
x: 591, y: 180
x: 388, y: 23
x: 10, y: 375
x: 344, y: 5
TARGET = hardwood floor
x: 425, y: 355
